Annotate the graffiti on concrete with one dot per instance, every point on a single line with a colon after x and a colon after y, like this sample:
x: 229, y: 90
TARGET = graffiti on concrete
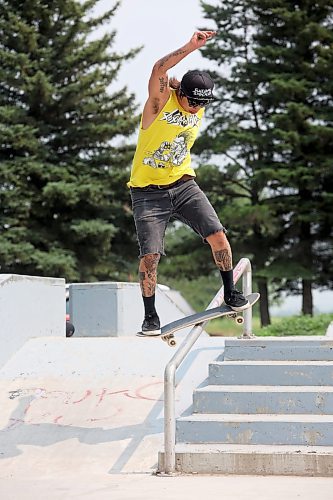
x: 75, y: 407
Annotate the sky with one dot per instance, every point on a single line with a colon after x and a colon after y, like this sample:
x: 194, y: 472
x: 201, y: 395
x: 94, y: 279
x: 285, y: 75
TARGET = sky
x: 162, y: 26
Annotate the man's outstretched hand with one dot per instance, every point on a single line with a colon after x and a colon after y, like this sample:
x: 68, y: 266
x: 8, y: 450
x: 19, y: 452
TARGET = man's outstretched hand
x: 199, y: 38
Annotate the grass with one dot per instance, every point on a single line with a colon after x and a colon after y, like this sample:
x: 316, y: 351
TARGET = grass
x: 280, y: 327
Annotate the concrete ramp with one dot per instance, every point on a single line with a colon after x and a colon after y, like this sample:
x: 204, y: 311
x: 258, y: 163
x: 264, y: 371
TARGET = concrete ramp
x: 92, y: 405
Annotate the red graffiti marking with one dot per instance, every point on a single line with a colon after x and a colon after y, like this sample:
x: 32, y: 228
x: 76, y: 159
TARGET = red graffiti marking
x: 101, y: 396
x: 88, y: 393
x: 112, y: 393
x: 138, y: 393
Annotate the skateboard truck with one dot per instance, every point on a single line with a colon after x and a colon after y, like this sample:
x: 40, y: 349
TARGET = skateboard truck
x: 169, y: 338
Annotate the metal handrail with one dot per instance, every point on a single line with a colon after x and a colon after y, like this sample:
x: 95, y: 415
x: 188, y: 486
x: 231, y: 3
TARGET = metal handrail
x: 244, y: 269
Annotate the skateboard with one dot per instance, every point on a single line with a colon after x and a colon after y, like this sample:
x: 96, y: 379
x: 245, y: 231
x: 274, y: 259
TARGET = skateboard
x: 167, y: 331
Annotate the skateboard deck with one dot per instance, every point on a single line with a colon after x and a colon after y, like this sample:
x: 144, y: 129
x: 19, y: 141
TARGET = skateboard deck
x: 167, y: 331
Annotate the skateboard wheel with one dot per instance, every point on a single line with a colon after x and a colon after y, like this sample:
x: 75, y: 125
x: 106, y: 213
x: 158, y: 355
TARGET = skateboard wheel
x: 172, y: 342
x: 239, y: 320
x: 69, y: 329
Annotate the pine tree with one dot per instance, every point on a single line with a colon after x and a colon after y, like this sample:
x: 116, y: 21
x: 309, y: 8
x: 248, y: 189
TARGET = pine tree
x: 63, y: 155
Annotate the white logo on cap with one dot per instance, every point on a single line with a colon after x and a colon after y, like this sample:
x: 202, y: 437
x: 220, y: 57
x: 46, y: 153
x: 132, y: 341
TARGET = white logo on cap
x: 202, y: 92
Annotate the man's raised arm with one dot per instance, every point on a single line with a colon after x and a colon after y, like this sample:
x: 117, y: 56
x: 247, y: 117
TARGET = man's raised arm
x: 158, y: 87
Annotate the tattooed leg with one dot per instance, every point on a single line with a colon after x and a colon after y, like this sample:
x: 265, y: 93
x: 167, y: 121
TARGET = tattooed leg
x: 148, y: 273
x: 223, y: 259
x: 221, y: 251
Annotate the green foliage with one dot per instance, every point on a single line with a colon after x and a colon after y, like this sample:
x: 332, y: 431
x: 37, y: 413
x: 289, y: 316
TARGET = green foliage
x: 64, y: 205
x: 297, y: 325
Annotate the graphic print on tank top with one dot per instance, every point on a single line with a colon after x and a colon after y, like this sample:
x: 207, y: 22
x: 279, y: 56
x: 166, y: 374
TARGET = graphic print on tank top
x: 171, y: 154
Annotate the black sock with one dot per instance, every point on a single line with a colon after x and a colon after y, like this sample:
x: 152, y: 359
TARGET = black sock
x: 149, y: 303
x: 228, y: 281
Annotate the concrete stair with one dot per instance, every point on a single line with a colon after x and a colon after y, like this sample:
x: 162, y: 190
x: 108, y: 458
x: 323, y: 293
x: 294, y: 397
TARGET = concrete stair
x: 300, y: 373
x: 256, y: 429
x: 267, y: 409
x: 261, y: 399
x: 280, y: 349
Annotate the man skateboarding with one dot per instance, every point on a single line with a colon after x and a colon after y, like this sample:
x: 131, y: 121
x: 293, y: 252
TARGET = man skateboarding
x: 168, y: 331
x: 162, y: 181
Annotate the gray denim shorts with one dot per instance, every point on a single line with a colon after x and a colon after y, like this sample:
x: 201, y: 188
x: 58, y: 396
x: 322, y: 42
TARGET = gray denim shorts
x: 153, y: 208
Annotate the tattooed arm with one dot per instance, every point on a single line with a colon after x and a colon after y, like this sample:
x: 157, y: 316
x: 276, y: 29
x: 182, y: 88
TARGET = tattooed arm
x: 158, y: 88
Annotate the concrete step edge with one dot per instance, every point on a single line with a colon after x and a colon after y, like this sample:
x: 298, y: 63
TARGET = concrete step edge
x: 297, y: 341
x: 263, y: 417
x: 263, y: 388
x: 251, y: 448
x: 271, y: 362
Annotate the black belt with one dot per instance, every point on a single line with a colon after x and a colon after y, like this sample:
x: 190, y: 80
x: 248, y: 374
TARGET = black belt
x: 168, y: 186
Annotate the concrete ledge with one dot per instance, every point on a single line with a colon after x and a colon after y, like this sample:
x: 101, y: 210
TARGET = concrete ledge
x: 30, y: 306
x: 253, y: 460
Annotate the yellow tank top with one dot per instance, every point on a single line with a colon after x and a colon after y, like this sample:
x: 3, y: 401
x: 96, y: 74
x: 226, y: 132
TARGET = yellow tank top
x: 163, y: 155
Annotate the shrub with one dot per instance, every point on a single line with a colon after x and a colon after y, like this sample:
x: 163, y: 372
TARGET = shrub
x: 298, y: 325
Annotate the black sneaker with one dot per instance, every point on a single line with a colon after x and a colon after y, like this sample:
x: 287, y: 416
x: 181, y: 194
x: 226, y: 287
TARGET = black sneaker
x: 236, y: 300
x: 151, y: 325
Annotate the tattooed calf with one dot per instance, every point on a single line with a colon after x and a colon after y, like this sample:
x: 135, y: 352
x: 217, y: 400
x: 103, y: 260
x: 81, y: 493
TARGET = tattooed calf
x: 223, y: 259
x: 148, y: 274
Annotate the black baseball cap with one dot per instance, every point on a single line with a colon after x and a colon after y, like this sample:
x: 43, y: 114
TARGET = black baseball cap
x: 197, y: 84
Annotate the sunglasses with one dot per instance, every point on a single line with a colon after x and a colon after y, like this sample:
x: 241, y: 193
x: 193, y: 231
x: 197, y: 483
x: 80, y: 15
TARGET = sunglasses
x: 195, y: 103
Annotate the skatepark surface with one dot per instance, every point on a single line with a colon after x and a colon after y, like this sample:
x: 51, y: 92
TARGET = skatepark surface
x: 83, y: 418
